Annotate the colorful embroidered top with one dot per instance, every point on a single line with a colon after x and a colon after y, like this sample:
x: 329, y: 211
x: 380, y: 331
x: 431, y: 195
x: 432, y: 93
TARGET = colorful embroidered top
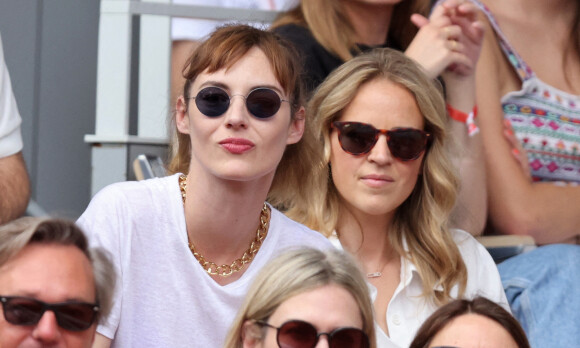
x: 545, y: 119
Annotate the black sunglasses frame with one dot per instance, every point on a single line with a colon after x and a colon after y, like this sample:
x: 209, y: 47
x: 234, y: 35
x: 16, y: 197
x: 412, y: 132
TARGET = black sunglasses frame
x: 225, y: 105
x: 54, y: 307
x: 329, y: 335
x: 339, y: 126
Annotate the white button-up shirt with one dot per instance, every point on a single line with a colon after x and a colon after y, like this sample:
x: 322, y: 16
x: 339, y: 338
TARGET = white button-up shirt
x: 408, y: 309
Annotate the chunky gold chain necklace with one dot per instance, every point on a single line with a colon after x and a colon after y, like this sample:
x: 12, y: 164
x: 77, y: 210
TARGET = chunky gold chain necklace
x: 247, y: 257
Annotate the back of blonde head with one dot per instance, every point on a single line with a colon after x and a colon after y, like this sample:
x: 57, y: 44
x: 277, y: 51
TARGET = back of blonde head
x: 298, y: 271
x: 419, y: 231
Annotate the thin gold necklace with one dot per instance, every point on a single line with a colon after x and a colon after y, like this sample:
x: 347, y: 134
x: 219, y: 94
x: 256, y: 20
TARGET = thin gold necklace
x: 247, y: 257
x: 376, y: 274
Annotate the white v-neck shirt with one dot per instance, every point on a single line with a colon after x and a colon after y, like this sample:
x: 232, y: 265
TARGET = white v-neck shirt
x: 407, y: 309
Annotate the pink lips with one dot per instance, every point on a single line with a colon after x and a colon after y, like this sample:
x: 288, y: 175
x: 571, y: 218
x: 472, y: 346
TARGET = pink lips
x: 376, y: 180
x: 237, y: 145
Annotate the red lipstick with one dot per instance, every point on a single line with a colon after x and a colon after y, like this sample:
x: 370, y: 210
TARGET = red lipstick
x: 237, y: 146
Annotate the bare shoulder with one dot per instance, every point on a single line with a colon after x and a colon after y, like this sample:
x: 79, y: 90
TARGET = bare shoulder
x: 494, y: 63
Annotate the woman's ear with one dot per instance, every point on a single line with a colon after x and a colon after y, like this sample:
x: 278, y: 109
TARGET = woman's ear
x: 297, y: 124
x: 251, y: 334
x: 181, y: 115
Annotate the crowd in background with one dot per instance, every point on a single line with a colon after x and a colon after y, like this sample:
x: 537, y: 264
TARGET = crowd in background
x: 393, y: 131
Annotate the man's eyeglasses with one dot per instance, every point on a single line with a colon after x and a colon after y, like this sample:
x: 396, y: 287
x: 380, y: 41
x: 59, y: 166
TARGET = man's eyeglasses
x: 300, y: 334
x: 72, y: 316
x: 358, y: 138
x: 261, y: 102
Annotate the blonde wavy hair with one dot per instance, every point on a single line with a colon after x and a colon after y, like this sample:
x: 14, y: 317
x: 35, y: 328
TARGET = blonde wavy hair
x: 330, y: 26
x: 225, y: 46
x: 421, y: 221
x: 295, y: 272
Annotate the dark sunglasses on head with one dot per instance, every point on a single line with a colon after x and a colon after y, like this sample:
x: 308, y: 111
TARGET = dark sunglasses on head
x: 300, y: 334
x: 72, y: 316
x: 261, y: 102
x: 359, y: 138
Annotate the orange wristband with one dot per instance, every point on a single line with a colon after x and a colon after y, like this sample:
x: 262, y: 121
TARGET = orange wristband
x: 460, y: 115
x: 464, y: 118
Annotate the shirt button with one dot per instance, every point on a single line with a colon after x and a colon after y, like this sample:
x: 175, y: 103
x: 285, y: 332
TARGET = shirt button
x: 396, y: 319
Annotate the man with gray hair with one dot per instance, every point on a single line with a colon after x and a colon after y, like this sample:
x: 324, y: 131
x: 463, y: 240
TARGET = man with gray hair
x: 53, y: 287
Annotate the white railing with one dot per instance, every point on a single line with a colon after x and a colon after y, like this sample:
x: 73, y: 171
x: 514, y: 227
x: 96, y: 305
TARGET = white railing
x: 112, y: 145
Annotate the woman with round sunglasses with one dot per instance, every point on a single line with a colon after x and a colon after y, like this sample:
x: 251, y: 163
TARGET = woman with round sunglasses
x: 188, y: 246
x: 386, y: 189
x: 306, y: 298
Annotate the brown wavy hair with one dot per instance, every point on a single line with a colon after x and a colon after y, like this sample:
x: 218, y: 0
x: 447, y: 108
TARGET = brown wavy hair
x: 225, y: 46
x: 480, y: 305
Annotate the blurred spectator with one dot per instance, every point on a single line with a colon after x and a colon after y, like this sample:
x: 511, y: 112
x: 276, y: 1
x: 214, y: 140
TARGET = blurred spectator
x: 528, y: 91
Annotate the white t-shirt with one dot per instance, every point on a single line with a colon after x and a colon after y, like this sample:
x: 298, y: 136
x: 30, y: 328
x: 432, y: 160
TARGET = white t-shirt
x: 164, y: 298
x: 408, y: 309
x: 198, y: 29
x: 10, y: 137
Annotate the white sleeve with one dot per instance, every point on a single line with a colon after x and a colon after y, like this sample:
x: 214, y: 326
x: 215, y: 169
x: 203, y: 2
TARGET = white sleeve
x: 10, y: 136
x: 483, y: 278
x: 106, y: 222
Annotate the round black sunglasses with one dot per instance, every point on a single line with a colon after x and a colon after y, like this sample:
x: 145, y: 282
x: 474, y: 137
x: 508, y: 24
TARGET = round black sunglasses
x: 261, y: 102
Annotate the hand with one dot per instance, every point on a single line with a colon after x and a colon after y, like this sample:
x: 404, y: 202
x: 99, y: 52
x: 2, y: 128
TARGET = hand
x: 518, y: 151
x: 464, y: 14
x: 449, y: 40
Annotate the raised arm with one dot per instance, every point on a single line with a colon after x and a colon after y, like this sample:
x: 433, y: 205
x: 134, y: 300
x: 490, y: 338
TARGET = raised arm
x: 14, y: 187
x: 547, y: 212
x: 448, y: 44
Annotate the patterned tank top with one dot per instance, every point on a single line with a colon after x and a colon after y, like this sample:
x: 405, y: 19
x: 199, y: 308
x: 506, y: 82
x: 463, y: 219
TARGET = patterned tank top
x: 545, y: 119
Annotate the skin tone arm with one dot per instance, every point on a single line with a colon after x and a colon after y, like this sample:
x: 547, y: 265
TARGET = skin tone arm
x: 14, y: 187
x: 516, y: 204
x: 455, y: 62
